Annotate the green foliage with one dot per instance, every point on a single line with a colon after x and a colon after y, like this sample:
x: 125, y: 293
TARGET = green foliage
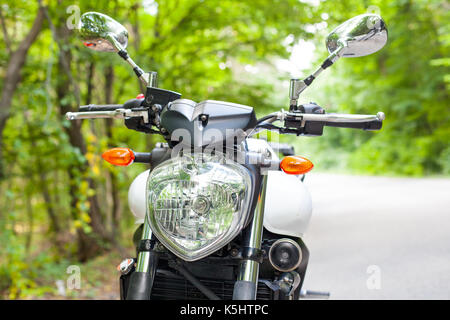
x: 200, y: 48
x: 406, y: 80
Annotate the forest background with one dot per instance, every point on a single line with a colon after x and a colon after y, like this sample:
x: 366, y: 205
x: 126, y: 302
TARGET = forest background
x: 62, y: 205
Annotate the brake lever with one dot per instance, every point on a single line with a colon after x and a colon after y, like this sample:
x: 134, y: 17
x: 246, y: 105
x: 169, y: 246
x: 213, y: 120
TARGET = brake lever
x: 335, y: 117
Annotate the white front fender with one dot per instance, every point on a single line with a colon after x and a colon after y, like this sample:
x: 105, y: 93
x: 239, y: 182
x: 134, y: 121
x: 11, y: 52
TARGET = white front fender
x: 136, y: 196
x: 288, y: 205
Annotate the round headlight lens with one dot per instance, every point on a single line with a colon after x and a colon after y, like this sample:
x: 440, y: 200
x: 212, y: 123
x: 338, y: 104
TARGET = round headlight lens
x: 197, y: 204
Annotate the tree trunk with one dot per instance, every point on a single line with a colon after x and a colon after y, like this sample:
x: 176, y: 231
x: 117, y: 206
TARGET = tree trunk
x: 29, y: 210
x: 12, y: 77
x: 42, y: 183
x: 88, y: 245
x: 116, y: 207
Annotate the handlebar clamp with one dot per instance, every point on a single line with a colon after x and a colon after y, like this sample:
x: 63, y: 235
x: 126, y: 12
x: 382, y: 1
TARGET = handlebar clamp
x: 302, y: 127
x: 312, y: 123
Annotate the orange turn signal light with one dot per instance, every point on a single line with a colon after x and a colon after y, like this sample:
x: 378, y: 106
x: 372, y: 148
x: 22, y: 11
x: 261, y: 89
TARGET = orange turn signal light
x: 296, y: 165
x: 119, y: 156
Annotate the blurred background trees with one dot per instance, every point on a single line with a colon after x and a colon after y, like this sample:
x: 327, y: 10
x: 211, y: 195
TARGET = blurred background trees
x: 61, y: 204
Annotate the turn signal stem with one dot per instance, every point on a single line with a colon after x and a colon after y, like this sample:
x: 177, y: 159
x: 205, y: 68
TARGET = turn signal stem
x: 143, y: 157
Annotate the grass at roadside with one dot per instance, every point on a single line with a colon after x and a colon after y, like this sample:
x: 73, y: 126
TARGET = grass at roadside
x: 98, y: 280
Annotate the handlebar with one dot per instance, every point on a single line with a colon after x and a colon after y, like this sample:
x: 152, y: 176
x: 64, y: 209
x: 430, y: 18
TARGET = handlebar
x: 102, y: 107
x: 309, y: 121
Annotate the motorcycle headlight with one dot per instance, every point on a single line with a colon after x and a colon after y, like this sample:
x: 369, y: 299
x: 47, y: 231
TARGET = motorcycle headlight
x: 197, y: 204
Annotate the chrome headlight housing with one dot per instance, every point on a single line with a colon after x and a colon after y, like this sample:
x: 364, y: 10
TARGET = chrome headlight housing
x: 197, y: 203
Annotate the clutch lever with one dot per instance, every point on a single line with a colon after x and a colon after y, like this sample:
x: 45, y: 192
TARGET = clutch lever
x: 115, y: 114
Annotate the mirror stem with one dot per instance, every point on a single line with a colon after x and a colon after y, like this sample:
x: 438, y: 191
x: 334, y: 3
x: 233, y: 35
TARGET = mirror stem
x: 137, y: 70
x: 297, y: 86
x: 149, y: 79
x: 152, y: 79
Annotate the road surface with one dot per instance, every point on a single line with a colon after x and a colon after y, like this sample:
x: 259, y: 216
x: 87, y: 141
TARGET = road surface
x: 379, y: 237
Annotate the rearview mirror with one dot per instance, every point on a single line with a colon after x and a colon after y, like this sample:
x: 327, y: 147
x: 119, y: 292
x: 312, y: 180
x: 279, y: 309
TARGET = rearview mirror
x: 358, y: 36
x: 102, y: 33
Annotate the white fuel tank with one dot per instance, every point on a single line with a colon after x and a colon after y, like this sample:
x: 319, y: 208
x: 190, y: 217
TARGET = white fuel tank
x: 287, y: 210
x: 288, y: 205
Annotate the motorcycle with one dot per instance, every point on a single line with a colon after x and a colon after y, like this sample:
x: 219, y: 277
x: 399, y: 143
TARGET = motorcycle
x: 220, y: 215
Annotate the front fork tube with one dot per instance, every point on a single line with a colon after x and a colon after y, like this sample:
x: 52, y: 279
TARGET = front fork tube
x: 141, y: 281
x: 246, y: 285
x: 143, y: 259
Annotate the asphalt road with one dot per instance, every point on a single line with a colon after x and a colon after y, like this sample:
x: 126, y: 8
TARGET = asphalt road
x: 379, y: 237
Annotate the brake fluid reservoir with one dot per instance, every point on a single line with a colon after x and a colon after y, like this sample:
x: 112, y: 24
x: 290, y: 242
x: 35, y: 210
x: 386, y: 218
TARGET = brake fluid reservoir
x: 288, y: 205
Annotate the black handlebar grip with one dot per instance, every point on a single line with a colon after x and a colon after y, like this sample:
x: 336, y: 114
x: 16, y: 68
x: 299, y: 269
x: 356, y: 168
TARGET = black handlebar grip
x: 100, y: 107
x: 133, y: 103
x: 368, y: 125
x: 130, y: 104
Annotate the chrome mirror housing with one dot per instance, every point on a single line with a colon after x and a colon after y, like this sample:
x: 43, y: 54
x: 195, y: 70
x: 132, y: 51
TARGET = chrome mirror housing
x: 102, y: 33
x: 359, y: 36
x: 356, y: 37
